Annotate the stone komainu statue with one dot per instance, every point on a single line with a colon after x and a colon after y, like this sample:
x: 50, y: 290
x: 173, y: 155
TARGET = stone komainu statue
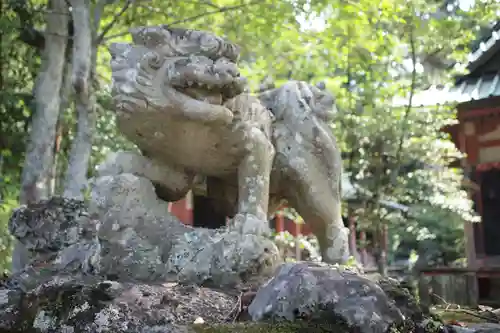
x: 180, y: 98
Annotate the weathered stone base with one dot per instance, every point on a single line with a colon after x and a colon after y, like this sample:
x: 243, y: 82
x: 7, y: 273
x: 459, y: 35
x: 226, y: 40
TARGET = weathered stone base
x: 128, y: 266
x: 142, y: 241
x: 66, y: 305
x: 70, y: 304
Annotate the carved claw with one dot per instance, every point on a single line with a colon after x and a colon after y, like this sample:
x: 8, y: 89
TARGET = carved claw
x: 225, y: 117
x: 197, y: 110
x: 248, y: 224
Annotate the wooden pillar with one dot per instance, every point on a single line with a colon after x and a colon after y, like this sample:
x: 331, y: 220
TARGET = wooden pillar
x: 385, y: 239
x: 468, y: 227
x: 364, y: 255
x: 469, y: 244
x: 353, y: 247
x: 478, y: 197
x: 183, y: 210
x: 423, y: 290
x: 470, y: 141
x: 280, y: 222
x: 469, y: 145
x: 472, y: 289
x: 298, y: 251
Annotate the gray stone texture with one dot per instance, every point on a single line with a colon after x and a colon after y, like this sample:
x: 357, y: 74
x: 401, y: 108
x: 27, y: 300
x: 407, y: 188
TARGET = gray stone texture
x: 180, y: 98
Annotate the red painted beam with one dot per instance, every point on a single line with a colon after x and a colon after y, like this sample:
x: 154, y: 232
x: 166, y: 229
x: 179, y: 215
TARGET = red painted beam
x: 182, y: 211
x: 479, y: 273
x: 490, y: 143
x: 471, y: 114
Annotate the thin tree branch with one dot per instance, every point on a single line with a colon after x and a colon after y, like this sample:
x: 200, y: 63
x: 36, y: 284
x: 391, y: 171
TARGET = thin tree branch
x: 409, y: 107
x: 99, y: 8
x: 28, y: 33
x: 218, y: 11
x: 45, y: 11
x: 211, y: 4
x: 32, y: 37
x: 110, y: 25
x: 205, y: 2
x: 195, y: 17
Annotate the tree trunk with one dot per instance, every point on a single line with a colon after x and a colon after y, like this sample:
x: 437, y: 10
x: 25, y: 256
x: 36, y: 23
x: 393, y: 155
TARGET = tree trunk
x: 382, y: 262
x: 53, y: 179
x: 81, y: 148
x: 39, y: 154
x: 381, y: 250
x: 66, y: 90
x: 353, y: 246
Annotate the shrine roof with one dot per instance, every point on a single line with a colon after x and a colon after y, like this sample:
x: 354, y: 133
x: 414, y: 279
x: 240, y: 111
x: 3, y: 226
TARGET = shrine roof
x: 482, y: 81
x: 485, y: 48
x: 469, y: 89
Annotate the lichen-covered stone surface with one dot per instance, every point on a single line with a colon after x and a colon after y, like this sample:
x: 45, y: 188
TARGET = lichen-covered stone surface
x: 142, y: 241
x: 324, y: 294
x: 90, y: 304
x: 130, y: 236
x: 121, y: 273
x: 67, y: 303
x: 180, y: 98
x: 59, y: 235
x: 113, y: 275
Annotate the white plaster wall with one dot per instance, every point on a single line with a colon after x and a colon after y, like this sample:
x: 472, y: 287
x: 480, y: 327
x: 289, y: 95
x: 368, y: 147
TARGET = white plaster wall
x: 489, y: 154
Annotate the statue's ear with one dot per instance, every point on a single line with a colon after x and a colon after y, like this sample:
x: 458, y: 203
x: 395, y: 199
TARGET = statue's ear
x: 325, y: 106
x: 232, y: 51
x: 118, y: 49
x: 150, y: 37
x: 321, y: 85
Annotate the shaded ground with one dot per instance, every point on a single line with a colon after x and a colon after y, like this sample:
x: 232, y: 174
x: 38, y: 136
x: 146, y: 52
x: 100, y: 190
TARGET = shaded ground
x: 453, y: 314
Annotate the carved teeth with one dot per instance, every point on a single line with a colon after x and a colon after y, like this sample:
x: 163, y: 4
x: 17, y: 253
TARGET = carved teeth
x: 193, y: 84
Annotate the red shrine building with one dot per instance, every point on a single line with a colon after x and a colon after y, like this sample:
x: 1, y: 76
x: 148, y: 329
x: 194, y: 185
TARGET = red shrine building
x: 477, y: 134
x: 185, y: 211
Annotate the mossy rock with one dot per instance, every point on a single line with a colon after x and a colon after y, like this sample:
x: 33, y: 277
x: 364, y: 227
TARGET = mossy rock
x: 304, y: 326
x: 281, y: 327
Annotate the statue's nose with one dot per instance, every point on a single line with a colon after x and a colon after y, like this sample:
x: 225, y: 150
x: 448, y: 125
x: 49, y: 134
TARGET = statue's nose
x: 226, y: 68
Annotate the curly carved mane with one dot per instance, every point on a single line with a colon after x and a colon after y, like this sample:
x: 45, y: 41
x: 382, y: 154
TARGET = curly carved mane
x: 196, y: 63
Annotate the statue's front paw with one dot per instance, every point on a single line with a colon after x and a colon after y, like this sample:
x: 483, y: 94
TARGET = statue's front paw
x: 249, y: 224
x: 338, y: 251
x: 223, y: 116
